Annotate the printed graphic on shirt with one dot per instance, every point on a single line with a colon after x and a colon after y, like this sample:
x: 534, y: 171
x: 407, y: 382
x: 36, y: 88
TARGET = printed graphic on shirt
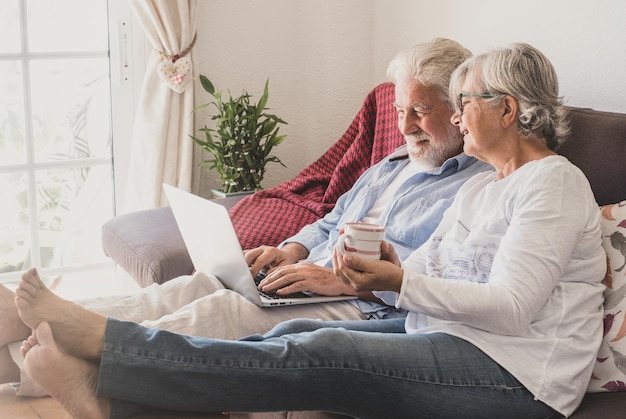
x: 467, y: 262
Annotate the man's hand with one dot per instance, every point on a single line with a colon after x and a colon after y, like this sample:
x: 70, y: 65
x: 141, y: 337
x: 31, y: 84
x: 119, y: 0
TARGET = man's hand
x: 267, y: 258
x: 302, y: 277
x: 369, y: 275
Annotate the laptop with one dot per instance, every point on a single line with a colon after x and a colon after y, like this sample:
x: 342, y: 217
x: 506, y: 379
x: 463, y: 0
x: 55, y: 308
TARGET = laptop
x: 214, y: 249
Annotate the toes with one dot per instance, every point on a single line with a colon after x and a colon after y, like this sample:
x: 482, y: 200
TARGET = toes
x: 31, y: 280
x: 28, y: 344
x: 32, y: 340
x: 43, y: 334
x: 25, y: 292
x: 30, y: 285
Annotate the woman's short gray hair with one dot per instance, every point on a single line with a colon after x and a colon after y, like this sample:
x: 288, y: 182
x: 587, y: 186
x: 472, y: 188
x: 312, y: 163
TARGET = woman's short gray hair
x: 429, y: 63
x: 523, y: 72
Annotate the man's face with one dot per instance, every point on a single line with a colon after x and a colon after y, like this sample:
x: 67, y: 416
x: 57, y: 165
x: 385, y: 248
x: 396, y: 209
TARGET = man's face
x: 424, y: 120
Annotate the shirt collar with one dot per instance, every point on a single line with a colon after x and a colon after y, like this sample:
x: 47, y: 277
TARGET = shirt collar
x: 461, y: 160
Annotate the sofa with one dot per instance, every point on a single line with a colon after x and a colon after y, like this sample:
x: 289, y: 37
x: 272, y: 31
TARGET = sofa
x: 148, y: 246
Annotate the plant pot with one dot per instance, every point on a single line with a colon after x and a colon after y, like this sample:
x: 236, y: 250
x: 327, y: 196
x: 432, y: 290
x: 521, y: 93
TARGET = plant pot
x: 215, y: 193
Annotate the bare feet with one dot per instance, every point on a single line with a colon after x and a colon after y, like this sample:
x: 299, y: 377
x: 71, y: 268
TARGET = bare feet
x: 70, y: 380
x: 77, y: 330
x: 12, y: 328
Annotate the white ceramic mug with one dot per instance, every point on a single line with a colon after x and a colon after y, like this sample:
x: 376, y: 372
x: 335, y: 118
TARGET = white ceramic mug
x: 362, y: 239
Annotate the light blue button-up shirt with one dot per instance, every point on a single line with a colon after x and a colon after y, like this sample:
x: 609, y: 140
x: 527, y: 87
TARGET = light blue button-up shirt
x: 410, y: 217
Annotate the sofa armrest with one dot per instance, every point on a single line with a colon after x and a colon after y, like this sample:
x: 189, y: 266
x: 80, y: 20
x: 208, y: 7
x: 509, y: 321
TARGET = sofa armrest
x: 147, y: 244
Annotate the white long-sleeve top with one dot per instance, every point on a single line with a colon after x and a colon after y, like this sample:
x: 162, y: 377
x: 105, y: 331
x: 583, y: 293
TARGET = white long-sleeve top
x: 515, y: 268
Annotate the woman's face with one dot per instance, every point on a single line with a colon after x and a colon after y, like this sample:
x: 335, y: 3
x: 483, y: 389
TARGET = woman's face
x: 478, y: 123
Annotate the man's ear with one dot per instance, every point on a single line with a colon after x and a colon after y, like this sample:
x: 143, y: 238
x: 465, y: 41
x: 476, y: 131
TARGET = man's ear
x: 509, y: 110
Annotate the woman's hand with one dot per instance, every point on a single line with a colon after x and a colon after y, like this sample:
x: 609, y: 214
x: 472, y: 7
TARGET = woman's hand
x: 369, y: 275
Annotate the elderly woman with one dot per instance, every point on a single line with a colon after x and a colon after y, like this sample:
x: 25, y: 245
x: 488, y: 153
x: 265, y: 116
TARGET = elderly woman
x: 505, y: 298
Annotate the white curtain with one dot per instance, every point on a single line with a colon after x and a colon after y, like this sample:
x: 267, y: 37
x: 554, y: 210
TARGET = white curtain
x: 162, y: 150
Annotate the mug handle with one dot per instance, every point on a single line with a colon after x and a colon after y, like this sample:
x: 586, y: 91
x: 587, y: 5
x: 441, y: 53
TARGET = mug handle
x: 341, y: 245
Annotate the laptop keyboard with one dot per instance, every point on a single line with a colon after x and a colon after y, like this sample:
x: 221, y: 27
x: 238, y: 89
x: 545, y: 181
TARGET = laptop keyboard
x: 272, y: 294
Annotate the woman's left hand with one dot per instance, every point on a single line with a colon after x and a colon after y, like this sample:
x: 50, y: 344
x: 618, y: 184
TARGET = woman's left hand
x: 369, y: 275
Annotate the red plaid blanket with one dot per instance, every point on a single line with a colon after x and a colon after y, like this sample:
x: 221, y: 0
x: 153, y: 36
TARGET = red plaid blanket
x: 270, y: 216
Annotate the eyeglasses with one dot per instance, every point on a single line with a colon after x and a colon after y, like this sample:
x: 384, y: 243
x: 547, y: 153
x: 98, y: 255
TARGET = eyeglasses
x: 462, y: 95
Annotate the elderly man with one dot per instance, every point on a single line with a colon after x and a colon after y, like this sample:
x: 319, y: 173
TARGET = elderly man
x: 408, y: 192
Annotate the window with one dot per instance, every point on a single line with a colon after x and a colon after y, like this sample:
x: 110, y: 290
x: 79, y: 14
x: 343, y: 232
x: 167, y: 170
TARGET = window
x: 56, y: 149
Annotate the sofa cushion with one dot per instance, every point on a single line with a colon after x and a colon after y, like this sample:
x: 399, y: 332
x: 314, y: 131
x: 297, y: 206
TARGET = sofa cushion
x: 132, y: 245
x: 601, y: 406
x: 148, y: 245
x: 597, y: 145
x: 609, y: 373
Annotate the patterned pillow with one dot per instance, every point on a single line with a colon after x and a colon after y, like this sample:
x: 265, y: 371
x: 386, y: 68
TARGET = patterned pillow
x: 609, y: 372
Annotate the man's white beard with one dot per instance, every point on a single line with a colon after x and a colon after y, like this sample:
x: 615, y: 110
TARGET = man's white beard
x: 421, y: 149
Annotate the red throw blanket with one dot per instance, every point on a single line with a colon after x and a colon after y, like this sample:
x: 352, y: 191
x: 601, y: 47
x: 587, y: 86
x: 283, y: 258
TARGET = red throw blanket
x: 270, y: 216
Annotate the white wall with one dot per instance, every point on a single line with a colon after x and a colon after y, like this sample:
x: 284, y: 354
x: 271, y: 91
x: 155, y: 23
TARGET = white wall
x: 323, y: 56
x: 584, y: 39
x: 318, y: 55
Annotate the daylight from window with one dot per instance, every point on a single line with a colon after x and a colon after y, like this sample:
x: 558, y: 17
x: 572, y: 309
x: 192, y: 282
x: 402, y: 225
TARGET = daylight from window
x: 55, y: 138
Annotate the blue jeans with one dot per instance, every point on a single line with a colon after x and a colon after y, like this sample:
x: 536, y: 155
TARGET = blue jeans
x: 364, y: 369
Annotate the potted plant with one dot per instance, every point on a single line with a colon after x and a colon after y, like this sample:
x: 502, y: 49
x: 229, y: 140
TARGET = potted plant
x: 242, y: 140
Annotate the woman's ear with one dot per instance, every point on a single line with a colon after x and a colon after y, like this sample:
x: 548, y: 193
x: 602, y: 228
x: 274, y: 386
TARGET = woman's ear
x: 509, y: 110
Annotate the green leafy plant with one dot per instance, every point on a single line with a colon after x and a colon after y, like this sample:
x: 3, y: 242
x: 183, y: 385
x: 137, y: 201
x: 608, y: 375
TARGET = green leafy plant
x: 242, y: 140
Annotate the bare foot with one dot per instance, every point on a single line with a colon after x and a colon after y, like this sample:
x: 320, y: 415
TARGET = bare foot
x: 70, y: 380
x: 12, y: 328
x: 77, y: 330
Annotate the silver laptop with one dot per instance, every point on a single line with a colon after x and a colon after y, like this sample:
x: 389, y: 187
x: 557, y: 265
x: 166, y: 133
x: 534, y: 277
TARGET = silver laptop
x: 214, y: 249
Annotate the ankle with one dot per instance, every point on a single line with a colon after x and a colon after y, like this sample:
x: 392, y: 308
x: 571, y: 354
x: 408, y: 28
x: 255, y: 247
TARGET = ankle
x: 89, y: 344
